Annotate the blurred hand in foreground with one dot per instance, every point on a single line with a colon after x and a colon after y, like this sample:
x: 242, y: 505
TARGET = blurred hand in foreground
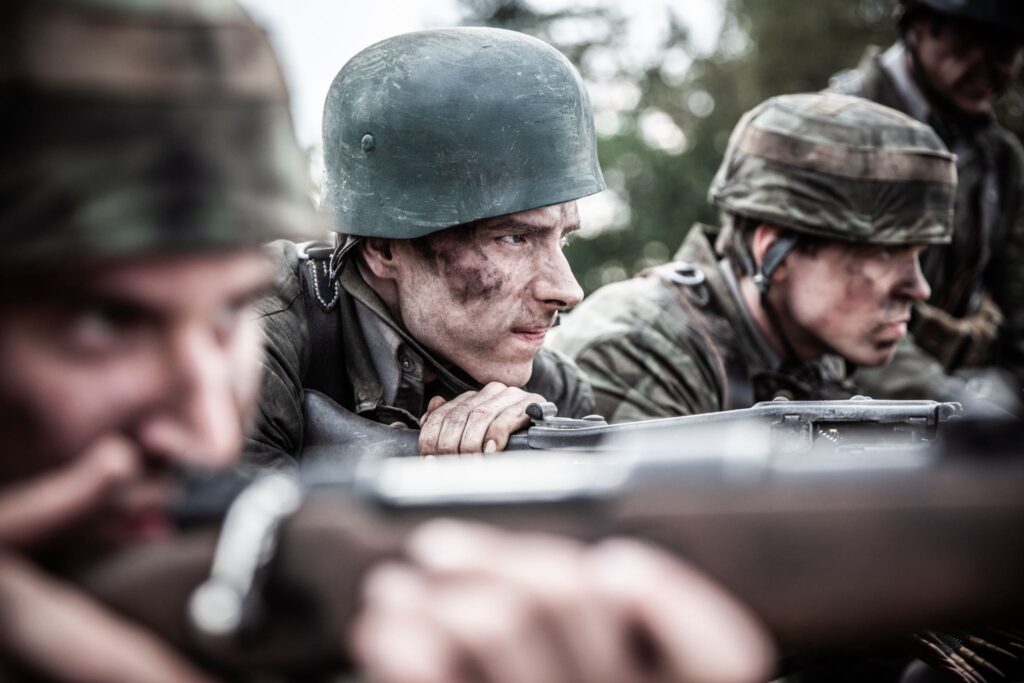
x: 47, y: 626
x: 479, y: 604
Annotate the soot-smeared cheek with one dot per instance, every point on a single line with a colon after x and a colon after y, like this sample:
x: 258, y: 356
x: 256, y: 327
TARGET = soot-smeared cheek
x: 859, y: 284
x: 474, y: 282
x: 470, y: 275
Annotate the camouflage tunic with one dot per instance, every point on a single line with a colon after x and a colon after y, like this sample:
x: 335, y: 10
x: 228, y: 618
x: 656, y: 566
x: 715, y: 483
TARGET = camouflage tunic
x: 677, y: 340
x: 389, y: 372
x: 986, y: 255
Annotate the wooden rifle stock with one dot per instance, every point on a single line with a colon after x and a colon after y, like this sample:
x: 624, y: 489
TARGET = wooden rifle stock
x: 826, y: 551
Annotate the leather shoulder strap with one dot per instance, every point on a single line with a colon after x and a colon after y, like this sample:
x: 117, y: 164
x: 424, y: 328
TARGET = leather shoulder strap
x: 327, y: 372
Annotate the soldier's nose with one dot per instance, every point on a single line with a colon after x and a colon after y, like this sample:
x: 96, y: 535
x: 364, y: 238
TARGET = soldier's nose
x: 915, y: 286
x: 200, y: 421
x: 556, y: 285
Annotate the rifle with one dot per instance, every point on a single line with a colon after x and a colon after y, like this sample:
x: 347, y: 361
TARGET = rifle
x: 333, y: 434
x: 827, y: 550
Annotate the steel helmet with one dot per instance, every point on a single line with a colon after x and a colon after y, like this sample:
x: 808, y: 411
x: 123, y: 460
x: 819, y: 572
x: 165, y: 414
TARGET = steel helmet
x: 433, y: 129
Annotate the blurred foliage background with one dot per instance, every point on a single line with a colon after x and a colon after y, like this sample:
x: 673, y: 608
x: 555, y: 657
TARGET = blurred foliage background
x: 663, y: 119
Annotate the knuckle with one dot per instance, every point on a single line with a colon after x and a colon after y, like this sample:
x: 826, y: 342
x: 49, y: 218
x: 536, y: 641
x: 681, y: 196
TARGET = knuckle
x: 457, y: 416
x: 482, y: 412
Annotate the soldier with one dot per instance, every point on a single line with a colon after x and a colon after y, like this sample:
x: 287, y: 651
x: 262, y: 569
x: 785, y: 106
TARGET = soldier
x: 148, y: 152
x: 953, y: 60
x: 453, y: 199
x: 826, y: 202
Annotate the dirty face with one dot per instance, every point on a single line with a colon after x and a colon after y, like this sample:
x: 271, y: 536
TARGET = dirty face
x: 483, y: 297
x: 966, y: 63
x: 162, y: 354
x: 854, y: 301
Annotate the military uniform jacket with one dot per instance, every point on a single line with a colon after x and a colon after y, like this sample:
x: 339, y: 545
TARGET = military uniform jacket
x: 388, y: 374
x: 987, y: 251
x: 677, y: 340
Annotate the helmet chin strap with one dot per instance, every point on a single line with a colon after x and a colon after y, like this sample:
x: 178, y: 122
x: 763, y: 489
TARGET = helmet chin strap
x: 343, y: 245
x: 773, y: 258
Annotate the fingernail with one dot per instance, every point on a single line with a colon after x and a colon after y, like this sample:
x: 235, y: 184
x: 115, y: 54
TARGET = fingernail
x: 491, y: 446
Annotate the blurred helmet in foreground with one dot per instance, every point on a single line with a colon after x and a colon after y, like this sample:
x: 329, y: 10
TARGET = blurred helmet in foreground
x: 135, y: 127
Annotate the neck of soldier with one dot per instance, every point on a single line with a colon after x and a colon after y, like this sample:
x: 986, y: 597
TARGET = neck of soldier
x: 386, y: 289
x: 788, y: 343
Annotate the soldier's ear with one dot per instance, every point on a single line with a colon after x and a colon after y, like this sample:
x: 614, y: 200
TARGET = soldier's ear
x: 764, y: 237
x: 379, y: 256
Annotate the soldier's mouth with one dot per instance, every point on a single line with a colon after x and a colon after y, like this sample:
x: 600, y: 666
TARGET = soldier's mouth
x: 140, y: 512
x: 532, y: 335
x: 896, y: 329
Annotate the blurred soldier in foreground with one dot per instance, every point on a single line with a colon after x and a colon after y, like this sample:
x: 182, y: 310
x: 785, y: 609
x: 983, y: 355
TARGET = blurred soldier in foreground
x: 954, y: 59
x: 827, y: 202
x: 454, y: 159
x: 148, y: 151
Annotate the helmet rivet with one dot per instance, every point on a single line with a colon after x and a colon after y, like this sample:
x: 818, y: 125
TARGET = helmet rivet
x: 368, y: 143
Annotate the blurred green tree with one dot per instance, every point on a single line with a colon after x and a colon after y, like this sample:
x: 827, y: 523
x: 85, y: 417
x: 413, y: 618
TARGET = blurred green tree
x: 664, y: 113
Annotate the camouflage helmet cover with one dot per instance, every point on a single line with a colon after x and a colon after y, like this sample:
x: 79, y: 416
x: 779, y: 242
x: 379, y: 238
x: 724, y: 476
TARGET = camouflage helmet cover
x: 838, y: 167
x: 1005, y: 14
x: 432, y: 129
x: 142, y: 126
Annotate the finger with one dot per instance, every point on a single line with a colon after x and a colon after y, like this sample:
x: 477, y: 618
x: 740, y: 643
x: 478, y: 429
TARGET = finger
x: 455, y: 415
x: 699, y: 632
x: 392, y: 638
x: 512, y: 419
x: 498, y: 630
x: 432, y: 422
x: 31, y: 511
x: 480, y: 422
x: 434, y: 404
x: 586, y: 638
x: 401, y: 646
x: 60, y: 633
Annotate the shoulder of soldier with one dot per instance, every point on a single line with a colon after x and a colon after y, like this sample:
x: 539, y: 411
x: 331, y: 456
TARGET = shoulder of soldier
x: 558, y: 379
x: 275, y: 436
x: 283, y: 314
x: 862, y: 80
x: 1012, y: 151
x: 285, y: 257
x: 644, y: 301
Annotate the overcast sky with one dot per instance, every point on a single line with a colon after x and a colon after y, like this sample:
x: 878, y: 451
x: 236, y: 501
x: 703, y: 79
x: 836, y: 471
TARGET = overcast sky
x: 315, y: 37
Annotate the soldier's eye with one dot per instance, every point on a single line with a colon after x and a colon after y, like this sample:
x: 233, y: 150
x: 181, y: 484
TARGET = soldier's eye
x: 512, y: 239
x: 101, y: 329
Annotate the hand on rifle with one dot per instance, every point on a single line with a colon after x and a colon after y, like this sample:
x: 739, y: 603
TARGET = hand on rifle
x: 49, y: 627
x: 479, y: 604
x: 476, y: 421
